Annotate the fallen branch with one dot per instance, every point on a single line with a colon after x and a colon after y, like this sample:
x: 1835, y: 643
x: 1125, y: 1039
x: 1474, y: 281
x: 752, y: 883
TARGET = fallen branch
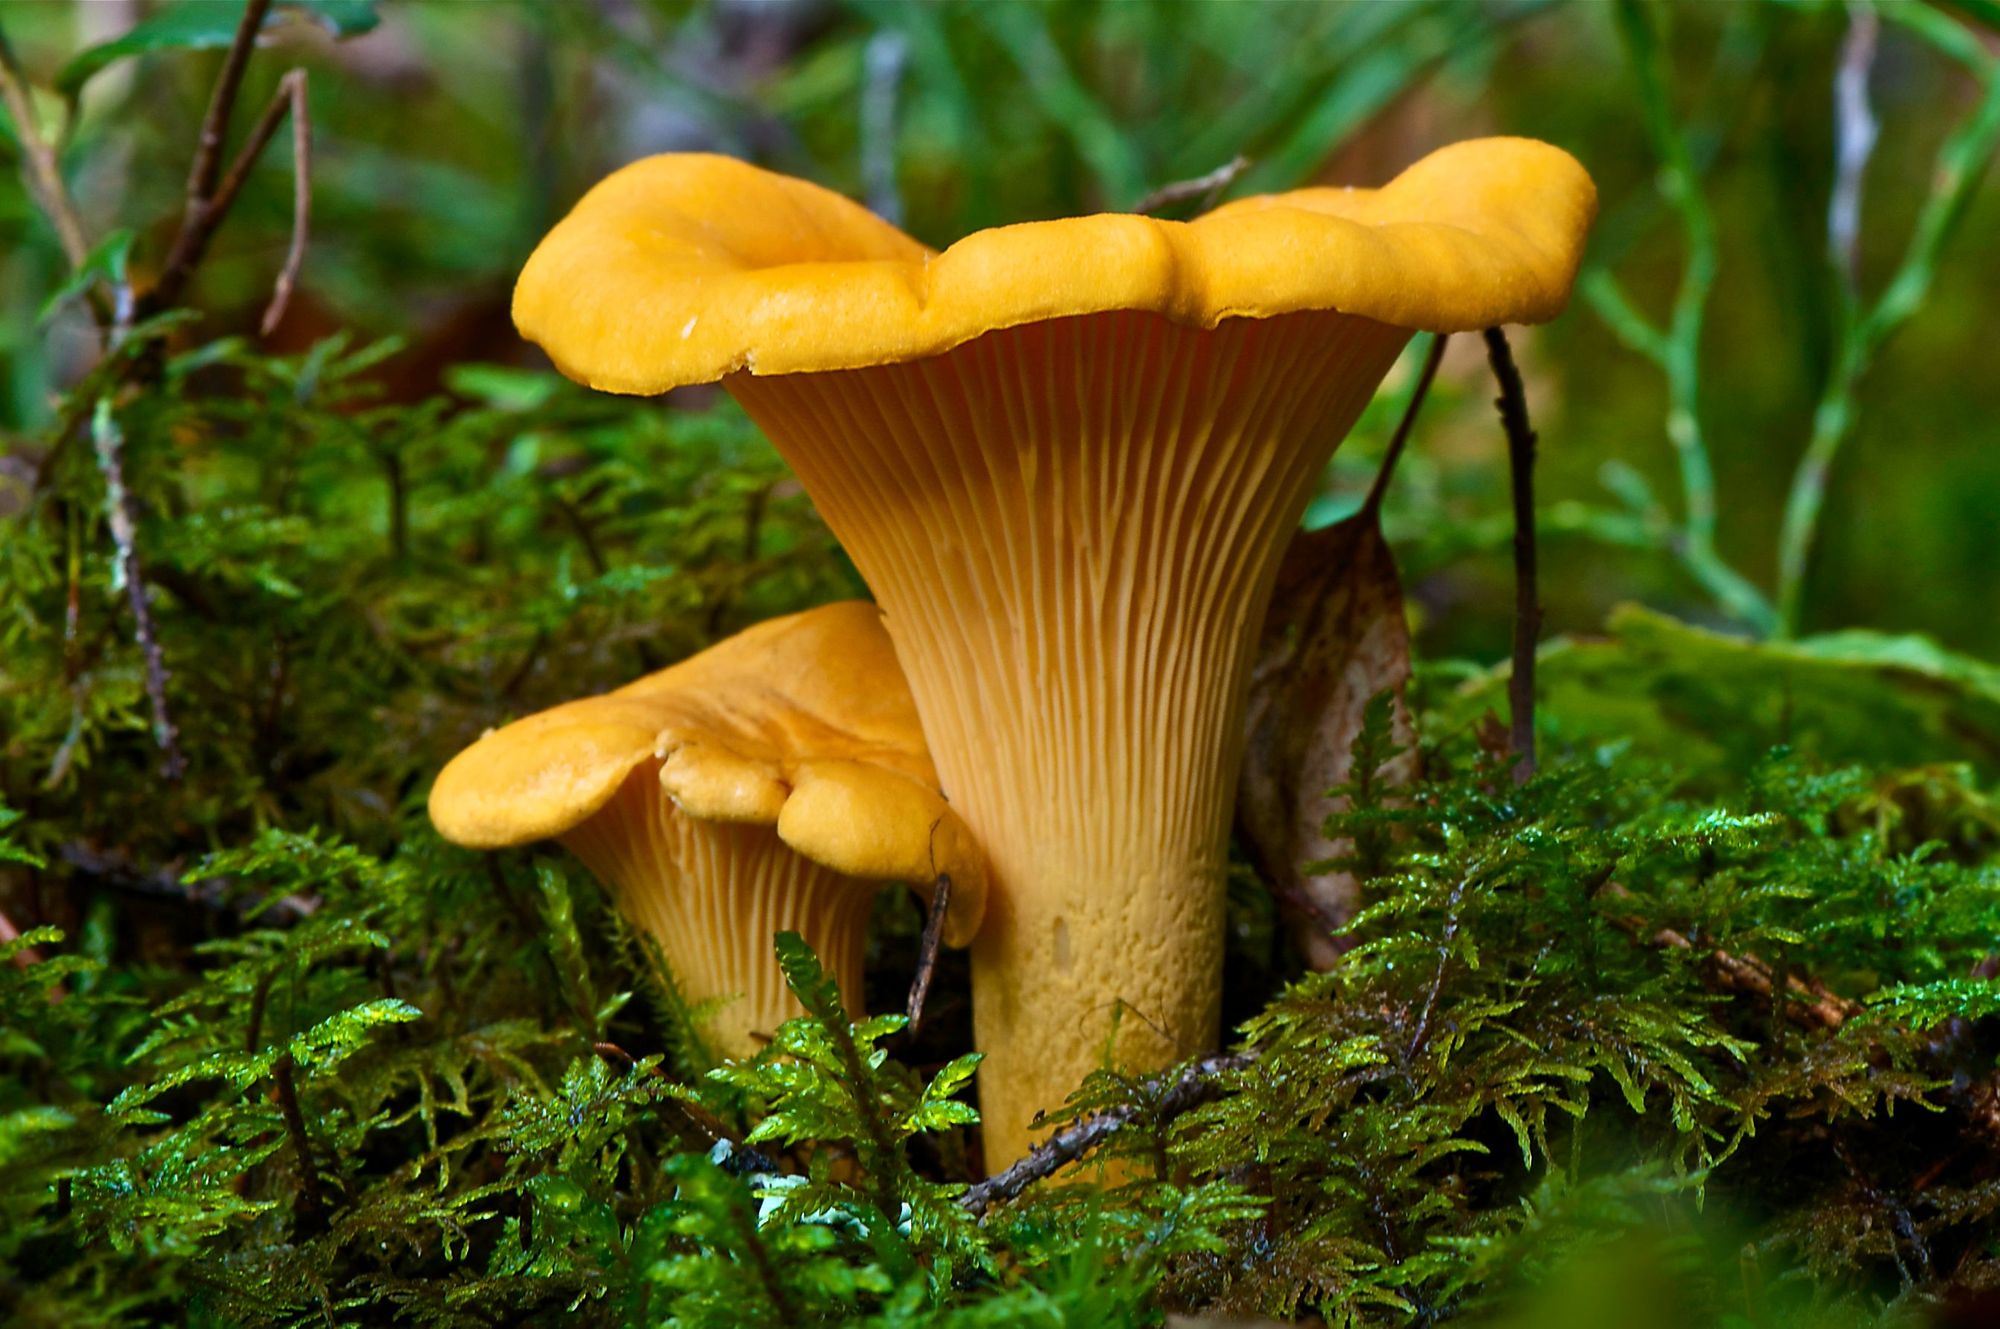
x: 1809, y: 1003
x: 1513, y: 404
x: 1192, y: 1086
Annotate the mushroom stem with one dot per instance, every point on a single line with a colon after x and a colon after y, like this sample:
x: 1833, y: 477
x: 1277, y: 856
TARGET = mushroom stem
x: 713, y: 894
x: 1072, y: 527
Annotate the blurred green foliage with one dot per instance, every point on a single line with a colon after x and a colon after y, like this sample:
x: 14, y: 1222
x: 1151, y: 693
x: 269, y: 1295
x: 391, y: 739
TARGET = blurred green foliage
x: 450, y: 136
x: 1684, y: 1014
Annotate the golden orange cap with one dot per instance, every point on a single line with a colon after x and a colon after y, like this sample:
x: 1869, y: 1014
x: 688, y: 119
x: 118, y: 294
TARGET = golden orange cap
x: 685, y: 268
x: 803, y: 722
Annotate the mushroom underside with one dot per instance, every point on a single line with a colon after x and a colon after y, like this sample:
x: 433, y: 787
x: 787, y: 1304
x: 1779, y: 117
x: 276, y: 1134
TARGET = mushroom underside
x: 1072, y: 527
x: 713, y: 895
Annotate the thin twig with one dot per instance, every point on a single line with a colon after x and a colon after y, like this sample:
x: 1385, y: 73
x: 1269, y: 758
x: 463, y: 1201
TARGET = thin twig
x: 39, y: 166
x: 773, y: 1286
x: 215, y: 124
x: 293, y: 87
x: 1808, y: 1003
x: 586, y: 536
x: 211, y: 192
x: 746, y: 569
x: 192, y: 241
x: 119, y: 872
x: 110, y: 441
x: 520, y: 672
x: 1432, y: 359
x: 742, y: 1157
x: 1420, y: 1038
x: 1513, y: 404
x: 1191, y: 1087
x: 312, y: 1197
x: 927, y: 949
x: 1207, y: 187
x: 399, y: 503
x: 1854, y: 134
x: 260, y: 1000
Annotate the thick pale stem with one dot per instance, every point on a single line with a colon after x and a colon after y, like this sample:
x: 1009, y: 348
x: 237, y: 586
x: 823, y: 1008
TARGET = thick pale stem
x: 714, y: 894
x: 1073, y: 527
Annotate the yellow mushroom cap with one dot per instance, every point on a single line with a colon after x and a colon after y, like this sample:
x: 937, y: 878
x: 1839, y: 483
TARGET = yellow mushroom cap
x: 803, y: 723
x: 685, y: 268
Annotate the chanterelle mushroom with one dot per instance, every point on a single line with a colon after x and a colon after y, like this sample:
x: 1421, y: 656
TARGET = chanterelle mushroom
x: 1066, y: 456
x: 771, y: 782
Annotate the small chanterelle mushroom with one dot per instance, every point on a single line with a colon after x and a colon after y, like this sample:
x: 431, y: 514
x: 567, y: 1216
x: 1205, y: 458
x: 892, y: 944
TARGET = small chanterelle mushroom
x: 1066, y: 456
x: 770, y: 783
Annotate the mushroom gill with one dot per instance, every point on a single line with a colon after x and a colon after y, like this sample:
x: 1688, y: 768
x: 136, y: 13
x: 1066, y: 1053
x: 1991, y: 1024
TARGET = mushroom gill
x: 770, y: 783
x: 1066, y: 457
x: 1075, y: 525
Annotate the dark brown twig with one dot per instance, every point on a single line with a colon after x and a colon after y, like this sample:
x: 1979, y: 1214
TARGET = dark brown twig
x: 1513, y: 404
x: 211, y: 191
x: 1191, y: 1087
x: 110, y: 443
x: 1206, y: 187
x: 927, y: 949
x: 312, y: 1198
x: 773, y: 1286
x: 746, y: 570
x: 292, y: 87
x: 199, y: 227
x: 586, y: 536
x: 260, y: 1001
x: 519, y: 675
x: 399, y: 504
x: 215, y: 124
x: 1401, y: 438
x: 117, y: 872
x: 700, y: 1121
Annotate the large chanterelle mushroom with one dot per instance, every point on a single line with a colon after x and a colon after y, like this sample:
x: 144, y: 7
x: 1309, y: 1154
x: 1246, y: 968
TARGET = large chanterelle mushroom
x: 1066, y: 456
x: 768, y: 784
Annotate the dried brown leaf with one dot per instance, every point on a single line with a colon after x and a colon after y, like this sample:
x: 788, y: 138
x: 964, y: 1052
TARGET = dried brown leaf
x: 1334, y: 638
